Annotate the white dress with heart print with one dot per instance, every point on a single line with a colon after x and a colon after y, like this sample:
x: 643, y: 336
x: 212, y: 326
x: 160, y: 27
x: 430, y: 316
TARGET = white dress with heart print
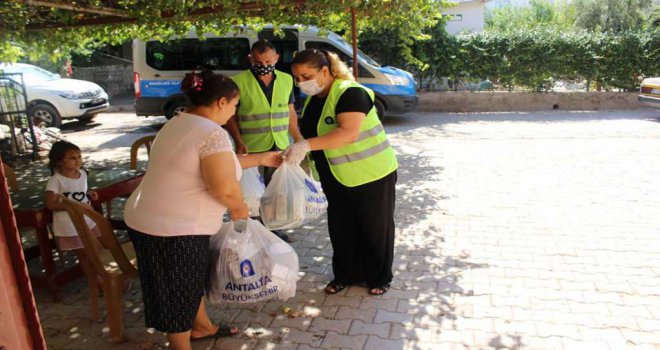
x: 75, y: 189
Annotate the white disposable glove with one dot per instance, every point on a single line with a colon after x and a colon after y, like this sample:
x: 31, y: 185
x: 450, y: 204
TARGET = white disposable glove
x: 296, y: 152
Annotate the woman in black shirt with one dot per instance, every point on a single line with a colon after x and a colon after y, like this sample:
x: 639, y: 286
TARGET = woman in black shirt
x: 356, y: 166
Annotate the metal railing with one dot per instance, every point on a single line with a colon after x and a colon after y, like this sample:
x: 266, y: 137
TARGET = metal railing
x: 17, y: 137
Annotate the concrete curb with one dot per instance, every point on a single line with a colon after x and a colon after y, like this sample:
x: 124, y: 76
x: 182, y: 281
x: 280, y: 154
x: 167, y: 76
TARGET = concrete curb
x: 489, y: 101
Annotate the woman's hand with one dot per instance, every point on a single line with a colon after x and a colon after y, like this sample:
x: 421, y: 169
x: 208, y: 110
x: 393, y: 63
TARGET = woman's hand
x: 93, y: 196
x: 271, y: 159
x: 240, y: 212
x: 241, y: 148
x: 296, y: 153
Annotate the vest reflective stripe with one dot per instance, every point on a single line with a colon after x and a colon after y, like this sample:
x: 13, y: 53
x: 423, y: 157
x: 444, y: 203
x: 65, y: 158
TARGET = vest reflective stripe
x: 264, y: 130
x: 367, y: 159
x: 263, y: 116
x: 360, y: 155
x: 263, y: 124
x: 371, y: 132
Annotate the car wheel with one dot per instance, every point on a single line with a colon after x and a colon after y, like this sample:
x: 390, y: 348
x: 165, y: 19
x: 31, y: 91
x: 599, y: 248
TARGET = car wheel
x: 175, y: 108
x: 87, y: 118
x: 380, y: 109
x: 44, y: 114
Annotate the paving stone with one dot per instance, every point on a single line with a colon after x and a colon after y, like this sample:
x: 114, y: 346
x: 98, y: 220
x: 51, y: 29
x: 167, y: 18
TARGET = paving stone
x: 377, y: 343
x: 254, y: 318
x: 561, y: 330
x: 337, y: 341
x: 571, y: 344
x: 475, y: 324
x: 324, y: 324
x: 307, y: 347
x: 266, y: 345
x: 233, y: 343
x: 648, y: 325
x: 414, y: 307
x: 532, y: 229
x: 300, y: 337
x: 379, y: 304
x: 346, y: 312
x: 340, y: 300
x: 300, y: 323
x: 379, y: 329
x: 638, y: 337
x: 387, y: 316
x: 400, y: 294
x: 527, y: 327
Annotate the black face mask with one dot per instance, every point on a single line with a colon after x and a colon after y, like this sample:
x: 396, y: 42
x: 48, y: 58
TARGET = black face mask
x: 263, y: 69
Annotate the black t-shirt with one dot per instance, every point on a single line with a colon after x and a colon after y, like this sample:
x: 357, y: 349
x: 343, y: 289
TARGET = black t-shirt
x: 268, y: 90
x: 354, y: 99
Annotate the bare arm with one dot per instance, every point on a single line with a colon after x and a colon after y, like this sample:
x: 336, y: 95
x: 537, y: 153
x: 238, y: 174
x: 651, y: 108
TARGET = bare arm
x: 347, y: 131
x: 220, y: 176
x: 293, y: 124
x: 53, y: 201
x: 235, y: 132
x: 269, y: 159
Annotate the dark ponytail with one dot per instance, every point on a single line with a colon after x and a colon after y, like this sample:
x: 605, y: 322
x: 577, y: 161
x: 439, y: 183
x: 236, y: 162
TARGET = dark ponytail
x: 202, y: 88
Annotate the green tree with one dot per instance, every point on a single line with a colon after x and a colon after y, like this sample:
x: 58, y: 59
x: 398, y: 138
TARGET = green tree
x: 162, y: 19
x: 539, y: 13
x: 653, y: 21
x: 612, y: 15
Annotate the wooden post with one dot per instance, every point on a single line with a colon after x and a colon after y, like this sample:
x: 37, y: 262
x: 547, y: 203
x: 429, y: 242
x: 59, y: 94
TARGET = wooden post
x: 21, y: 326
x: 354, y: 34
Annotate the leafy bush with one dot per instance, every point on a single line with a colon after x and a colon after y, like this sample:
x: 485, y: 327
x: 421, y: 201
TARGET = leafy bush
x: 531, y: 58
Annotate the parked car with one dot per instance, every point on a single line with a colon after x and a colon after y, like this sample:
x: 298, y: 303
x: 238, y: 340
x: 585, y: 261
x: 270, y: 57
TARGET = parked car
x: 52, y: 99
x: 649, y: 92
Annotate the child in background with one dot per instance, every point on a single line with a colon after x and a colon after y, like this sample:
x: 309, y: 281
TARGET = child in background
x: 68, y: 179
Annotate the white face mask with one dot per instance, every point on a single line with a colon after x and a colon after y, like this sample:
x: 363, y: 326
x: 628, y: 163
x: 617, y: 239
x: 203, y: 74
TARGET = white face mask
x: 310, y: 87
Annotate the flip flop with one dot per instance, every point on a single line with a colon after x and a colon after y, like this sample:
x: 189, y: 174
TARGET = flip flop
x: 379, y: 290
x: 223, y: 331
x: 334, y: 287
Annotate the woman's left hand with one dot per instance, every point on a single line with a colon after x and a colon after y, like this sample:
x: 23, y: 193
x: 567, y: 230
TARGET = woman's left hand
x: 271, y: 159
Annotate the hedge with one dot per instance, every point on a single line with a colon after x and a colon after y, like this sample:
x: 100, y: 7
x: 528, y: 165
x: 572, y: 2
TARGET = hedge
x: 535, y: 58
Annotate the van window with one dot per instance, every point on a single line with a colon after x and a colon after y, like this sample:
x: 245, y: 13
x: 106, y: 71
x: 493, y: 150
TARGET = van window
x: 189, y: 54
x: 362, y: 72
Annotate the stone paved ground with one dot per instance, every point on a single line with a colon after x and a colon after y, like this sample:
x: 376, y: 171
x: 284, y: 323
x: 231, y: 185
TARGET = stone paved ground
x: 515, y: 231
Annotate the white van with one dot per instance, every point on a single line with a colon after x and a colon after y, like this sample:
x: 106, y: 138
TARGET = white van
x: 160, y: 66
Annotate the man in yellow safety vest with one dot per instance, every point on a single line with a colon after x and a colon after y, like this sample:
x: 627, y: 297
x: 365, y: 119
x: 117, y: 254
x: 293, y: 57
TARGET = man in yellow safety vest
x: 266, y: 115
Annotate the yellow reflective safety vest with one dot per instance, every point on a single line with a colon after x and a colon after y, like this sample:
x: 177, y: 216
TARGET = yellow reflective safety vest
x: 263, y: 124
x: 370, y: 157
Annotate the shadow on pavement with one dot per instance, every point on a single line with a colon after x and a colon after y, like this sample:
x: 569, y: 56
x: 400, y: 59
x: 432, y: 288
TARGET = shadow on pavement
x: 423, y: 270
x: 423, y: 119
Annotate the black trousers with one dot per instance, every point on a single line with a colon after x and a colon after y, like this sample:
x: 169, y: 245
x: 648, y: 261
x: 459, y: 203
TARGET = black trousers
x: 268, y: 174
x: 361, y: 225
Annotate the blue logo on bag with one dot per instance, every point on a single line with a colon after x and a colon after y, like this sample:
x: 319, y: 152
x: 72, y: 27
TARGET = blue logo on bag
x: 246, y: 268
x: 311, y: 186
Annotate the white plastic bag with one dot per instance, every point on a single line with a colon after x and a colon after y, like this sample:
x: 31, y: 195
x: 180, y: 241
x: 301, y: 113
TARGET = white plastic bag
x: 250, y: 264
x: 252, y: 186
x: 291, y: 199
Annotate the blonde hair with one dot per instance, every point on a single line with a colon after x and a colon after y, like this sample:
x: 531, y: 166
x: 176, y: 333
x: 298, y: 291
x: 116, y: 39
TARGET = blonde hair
x: 338, y: 68
x: 320, y: 58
